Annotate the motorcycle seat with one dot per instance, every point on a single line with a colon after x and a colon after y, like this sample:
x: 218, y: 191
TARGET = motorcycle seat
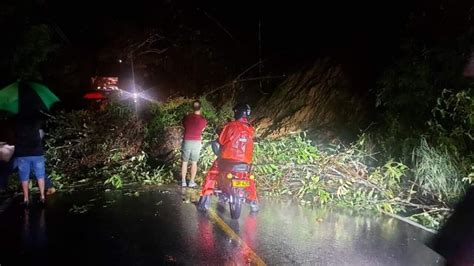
x: 235, y: 166
x: 241, y: 167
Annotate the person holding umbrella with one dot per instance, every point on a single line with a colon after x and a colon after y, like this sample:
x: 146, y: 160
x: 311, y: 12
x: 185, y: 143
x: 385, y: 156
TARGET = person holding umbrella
x: 28, y: 100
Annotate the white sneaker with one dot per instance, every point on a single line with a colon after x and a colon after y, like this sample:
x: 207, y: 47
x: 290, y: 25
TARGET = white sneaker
x: 184, y: 184
x: 192, y: 184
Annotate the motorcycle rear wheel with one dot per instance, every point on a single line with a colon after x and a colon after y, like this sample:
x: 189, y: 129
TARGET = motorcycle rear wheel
x: 235, y: 206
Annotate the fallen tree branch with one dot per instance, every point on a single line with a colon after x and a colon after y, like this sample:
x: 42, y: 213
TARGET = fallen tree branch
x: 154, y: 51
x: 248, y: 69
x: 430, y: 208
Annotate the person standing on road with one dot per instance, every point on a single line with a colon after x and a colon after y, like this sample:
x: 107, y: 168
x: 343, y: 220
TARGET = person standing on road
x: 7, y: 166
x: 29, y: 153
x: 194, y: 124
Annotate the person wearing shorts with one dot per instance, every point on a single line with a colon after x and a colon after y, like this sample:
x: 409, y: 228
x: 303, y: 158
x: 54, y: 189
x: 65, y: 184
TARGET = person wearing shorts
x: 194, y: 124
x: 8, y: 167
x: 29, y: 157
x: 31, y: 165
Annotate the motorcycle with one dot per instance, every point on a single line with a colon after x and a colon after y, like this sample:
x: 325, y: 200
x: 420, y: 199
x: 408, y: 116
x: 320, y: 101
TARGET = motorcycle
x: 232, y: 183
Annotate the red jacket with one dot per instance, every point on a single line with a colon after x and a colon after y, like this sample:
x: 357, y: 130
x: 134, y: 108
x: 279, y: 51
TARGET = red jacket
x: 236, y: 140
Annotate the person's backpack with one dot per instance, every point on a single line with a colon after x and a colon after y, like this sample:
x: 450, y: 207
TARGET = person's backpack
x: 237, y: 142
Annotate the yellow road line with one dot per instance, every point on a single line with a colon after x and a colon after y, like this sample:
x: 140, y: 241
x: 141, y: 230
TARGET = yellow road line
x: 255, y: 259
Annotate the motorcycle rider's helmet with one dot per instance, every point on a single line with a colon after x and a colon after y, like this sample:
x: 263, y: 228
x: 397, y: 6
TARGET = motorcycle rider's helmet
x: 242, y: 110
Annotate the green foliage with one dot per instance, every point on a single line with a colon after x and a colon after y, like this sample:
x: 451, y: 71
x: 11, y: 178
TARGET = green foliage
x: 452, y: 121
x: 80, y: 140
x: 408, y: 90
x: 138, y: 169
x: 429, y: 219
x: 293, y: 149
x: 294, y: 167
x: 209, y: 111
x: 226, y: 112
x: 168, y: 114
x: 100, y: 144
x: 57, y: 179
x: 115, y: 180
x: 313, y: 191
x: 439, y: 152
x: 274, y: 160
x: 413, y: 90
x: 437, y: 173
x: 389, y: 177
x: 109, y: 144
x: 470, y: 177
x: 171, y: 114
x: 80, y: 209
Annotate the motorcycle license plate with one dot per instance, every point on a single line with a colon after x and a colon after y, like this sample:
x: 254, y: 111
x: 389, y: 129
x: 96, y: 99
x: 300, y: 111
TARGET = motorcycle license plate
x: 240, y: 183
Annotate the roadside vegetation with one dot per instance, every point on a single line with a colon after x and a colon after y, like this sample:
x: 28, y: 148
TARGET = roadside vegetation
x: 416, y: 158
x: 116, y: 146
x: 425, y: 120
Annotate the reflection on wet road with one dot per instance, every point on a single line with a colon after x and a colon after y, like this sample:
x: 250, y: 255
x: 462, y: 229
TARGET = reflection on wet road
x: 161, y: 226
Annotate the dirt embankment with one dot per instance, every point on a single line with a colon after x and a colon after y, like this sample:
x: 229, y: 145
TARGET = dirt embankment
x: 317, y: 99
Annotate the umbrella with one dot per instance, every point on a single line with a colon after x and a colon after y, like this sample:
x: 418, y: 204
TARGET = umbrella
x: 94, y: 96
x: 9, y: 96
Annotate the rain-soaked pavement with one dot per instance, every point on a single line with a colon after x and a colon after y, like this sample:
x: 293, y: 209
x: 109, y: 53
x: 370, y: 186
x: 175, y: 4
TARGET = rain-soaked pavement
x: 162, y: 226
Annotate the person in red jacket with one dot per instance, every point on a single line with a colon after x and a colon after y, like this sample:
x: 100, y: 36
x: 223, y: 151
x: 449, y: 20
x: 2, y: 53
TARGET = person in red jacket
x: 194, y: 124
x: 235, y: 147
x: 236, y: 138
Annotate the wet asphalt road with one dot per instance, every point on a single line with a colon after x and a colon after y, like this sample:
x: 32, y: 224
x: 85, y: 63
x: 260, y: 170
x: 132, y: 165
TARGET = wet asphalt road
x: 162, y: 226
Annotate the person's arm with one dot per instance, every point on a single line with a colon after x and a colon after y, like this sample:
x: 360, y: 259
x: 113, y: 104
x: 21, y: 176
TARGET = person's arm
x: 6, y: 152
x: 222, y: 136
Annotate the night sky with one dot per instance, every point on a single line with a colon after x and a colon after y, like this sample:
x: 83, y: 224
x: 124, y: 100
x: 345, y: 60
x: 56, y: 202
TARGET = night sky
x: 288, y: 30
x: 363, y: 36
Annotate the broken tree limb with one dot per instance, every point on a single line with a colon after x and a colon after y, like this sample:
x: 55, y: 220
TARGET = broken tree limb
x: 153, y: 51
x: 248, y: 69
